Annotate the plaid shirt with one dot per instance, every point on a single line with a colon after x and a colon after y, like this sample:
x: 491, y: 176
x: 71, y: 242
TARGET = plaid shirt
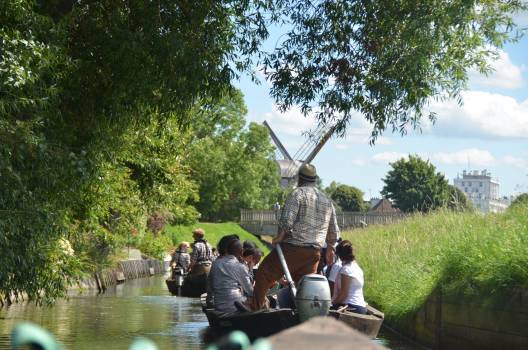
x: 201, y: 252
x: 309, y: 218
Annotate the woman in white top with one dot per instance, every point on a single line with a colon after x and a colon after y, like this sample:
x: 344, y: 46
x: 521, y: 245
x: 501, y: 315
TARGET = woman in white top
x: 348, y: 289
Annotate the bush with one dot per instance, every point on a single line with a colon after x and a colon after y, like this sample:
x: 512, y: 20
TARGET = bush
x: 520, y: 200
x: 154, y: 245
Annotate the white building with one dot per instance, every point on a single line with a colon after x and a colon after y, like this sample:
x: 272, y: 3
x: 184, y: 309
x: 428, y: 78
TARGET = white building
x: 482, y: 190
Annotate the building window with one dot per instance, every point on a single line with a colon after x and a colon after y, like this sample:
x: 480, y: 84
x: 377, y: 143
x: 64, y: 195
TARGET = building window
x: 463, y: 183
x: 469, y: 184
x: 480, y: 183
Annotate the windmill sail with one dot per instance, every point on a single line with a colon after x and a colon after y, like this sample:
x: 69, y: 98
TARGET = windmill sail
x: 277, y: 142
x: 288, y: 166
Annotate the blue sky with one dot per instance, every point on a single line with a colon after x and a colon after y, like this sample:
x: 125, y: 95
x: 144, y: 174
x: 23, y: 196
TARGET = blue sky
x: 489, y: 131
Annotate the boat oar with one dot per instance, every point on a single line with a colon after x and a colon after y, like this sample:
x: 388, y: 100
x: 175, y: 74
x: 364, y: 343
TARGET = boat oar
x: 286, y: 271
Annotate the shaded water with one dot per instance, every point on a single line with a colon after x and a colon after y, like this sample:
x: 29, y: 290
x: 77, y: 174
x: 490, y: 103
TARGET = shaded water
x: 141, y: 307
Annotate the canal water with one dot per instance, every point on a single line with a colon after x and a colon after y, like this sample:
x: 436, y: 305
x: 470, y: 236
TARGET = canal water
x: 141, y: 307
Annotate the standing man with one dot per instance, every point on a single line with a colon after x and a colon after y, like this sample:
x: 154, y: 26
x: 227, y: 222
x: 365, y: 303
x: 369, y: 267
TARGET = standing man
x: 202, y: 254
x: 308, y: 220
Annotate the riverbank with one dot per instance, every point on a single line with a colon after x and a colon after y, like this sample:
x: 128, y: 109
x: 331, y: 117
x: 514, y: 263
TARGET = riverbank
x: 464, y: 257
x: 213, y: 233
x: 125, y: 270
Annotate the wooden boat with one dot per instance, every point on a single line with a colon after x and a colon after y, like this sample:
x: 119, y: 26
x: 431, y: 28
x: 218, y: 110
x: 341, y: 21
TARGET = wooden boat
x: 187, y: 285
x: 368, y: 324
x: 255, y: 324
x: 264, y: 323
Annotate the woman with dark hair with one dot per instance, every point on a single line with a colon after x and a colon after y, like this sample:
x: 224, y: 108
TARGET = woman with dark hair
x: 333, y: 274
x: 224, y: 242
x: 222, y: 245
x: 348, y: 288
x: 251, y: 257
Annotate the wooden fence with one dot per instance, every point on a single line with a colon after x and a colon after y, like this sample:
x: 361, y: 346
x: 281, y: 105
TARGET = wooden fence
x: 264, y: 222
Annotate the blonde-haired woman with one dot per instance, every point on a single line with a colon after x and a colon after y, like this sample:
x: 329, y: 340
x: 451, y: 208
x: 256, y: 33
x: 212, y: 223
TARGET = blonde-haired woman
x: 181, y: 259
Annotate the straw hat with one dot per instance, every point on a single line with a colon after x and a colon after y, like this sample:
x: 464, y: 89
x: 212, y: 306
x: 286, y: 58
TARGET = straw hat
x: 308, y: 173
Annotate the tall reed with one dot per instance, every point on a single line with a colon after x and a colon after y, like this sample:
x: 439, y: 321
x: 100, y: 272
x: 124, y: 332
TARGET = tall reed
x: 469, y: 256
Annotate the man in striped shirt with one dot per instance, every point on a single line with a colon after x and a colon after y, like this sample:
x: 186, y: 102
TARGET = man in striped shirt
x: 307, y: 222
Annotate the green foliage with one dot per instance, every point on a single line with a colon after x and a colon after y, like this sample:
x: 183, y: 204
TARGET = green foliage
x: 414, y: 185
x: 348, y: 198
x: 458, y: 200
x: 469, y: 257
x: 213, y: 233
x: 384, y: 59
x: 520, y: 200
x: 231, y: 165
x: 95, y: 95
x: 154, y: 245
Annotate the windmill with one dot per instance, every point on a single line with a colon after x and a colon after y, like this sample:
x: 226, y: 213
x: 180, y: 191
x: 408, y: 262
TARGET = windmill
x: 288, y: 165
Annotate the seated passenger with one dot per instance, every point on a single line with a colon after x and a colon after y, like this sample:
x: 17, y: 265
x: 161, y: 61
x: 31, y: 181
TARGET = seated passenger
x: 229, y: 279
x: 252, y: 255
x: 181, y: 259
x: 348, y: 289
x: 333, y: 272
x: 222, y: 251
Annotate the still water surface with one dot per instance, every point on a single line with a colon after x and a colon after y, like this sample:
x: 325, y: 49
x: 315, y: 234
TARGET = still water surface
x: 141, y: 307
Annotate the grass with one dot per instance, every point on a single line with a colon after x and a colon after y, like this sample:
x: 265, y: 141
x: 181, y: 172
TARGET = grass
x: 469, y: 256
x: 213, y: 233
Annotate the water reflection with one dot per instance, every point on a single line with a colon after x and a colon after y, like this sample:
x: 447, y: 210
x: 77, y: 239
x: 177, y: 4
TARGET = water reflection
x: 112, y: 320
x: 141, y: 307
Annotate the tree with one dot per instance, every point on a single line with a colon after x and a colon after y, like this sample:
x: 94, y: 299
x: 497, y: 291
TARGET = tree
x: 521, y: 199
x: 348, y: 198
x: 384, y: 59
x: 82, y: 84
x: 414, y: 185
x: 458, y: 200
x: 232, y: 165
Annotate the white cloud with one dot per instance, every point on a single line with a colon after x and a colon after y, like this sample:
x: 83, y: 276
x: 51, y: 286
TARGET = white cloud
x: 505, y: 74
x: 474, y: 156
x: 517, y: 162
x: 291, y: 122
x: 478, y: 158
x: 385, y: 141
x: 483, y: 114
x: 387, y: 157
x: 359, y: 162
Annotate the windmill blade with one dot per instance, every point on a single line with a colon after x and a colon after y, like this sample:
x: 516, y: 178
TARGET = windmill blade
x: 277, y: 142
x: 310, y: 142
x: 320, y: 144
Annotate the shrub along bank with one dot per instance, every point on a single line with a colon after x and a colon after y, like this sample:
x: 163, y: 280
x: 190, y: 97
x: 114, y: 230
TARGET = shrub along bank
x: 468, y: 256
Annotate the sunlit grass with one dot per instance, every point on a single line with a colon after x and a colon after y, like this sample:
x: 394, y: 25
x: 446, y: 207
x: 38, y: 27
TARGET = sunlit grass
x: 213, y: 233
x: 468, y: 255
